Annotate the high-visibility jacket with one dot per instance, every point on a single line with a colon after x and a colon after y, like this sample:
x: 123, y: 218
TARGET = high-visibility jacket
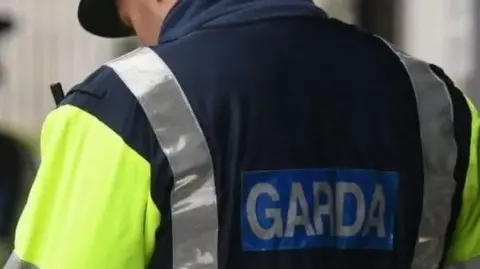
x: 257, y: 134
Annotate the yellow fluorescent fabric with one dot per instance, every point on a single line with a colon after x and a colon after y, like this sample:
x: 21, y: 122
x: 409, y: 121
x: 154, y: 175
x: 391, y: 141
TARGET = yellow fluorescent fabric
x: 466, y: 240
x: 90, y: 205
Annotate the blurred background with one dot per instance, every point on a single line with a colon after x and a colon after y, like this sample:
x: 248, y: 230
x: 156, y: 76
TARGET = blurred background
x: 47, y: 45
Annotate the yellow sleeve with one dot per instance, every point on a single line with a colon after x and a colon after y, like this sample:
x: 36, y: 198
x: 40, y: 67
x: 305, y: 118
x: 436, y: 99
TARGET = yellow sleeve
x: 465, y: 248
x: 90, y: 205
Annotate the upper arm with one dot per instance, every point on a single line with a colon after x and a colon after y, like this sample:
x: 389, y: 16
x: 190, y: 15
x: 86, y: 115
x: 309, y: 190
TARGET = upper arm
x: 465, y: 224
x: 466, y: 237
x: 91, y: 200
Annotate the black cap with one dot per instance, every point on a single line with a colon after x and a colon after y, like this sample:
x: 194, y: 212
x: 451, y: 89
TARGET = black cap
x: 100, y: 17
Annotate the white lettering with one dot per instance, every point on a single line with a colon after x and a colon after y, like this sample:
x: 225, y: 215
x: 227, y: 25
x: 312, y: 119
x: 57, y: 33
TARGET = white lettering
x: 378, y: 205
x: 297, y: 198
x: 344, y: 188
x: 325, y: 209
x: 322, y: 212
x: 274, y: 213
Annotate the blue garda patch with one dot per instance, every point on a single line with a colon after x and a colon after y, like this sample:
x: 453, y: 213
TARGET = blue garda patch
x: 313, y: 208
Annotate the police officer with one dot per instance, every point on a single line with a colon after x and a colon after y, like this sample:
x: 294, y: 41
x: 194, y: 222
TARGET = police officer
x: 253, y: 134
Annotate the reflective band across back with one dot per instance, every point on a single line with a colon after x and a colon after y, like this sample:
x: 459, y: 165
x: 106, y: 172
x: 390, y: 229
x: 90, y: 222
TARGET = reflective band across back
x: 182, y: 140
x: 435, y: 111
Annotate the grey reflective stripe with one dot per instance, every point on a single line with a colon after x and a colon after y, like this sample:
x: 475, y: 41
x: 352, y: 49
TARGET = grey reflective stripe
x: 435, y: 111
x: 181, y: 138
x: 470, y: 264
x: 14, y: 262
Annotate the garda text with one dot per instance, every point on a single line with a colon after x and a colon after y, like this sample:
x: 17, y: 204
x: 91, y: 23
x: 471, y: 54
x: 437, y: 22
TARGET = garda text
x: 335, y: 208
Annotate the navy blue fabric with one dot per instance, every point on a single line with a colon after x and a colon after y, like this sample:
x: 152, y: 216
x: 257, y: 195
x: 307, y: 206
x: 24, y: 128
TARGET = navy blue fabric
x: 278, y: 86
x: 190, y: 15
x: 295, y: 90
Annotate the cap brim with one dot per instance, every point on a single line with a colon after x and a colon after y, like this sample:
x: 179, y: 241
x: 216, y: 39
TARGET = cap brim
x: 100, y: 17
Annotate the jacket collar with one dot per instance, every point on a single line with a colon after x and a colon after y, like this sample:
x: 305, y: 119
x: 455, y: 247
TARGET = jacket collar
x: 190, y: 15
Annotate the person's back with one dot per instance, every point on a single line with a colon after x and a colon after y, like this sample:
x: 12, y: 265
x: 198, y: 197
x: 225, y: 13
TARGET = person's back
x: 315, y: 139
x: 305, y: 142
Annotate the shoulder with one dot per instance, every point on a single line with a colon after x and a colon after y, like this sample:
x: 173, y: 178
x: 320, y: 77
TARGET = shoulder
x: 111, y: 95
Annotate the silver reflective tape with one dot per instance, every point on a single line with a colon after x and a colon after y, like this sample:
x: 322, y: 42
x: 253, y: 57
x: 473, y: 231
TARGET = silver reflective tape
x: 439, y: 148
x: 470, y: 264
x: 14, y: 262
x: 195, y: 219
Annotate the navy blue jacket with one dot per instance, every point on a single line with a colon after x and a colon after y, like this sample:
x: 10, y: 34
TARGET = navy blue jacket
x: 281, y: 138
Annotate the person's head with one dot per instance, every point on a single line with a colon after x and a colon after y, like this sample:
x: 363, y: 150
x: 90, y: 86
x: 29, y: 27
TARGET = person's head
x: 145, y: 17
x: 122, y: 18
